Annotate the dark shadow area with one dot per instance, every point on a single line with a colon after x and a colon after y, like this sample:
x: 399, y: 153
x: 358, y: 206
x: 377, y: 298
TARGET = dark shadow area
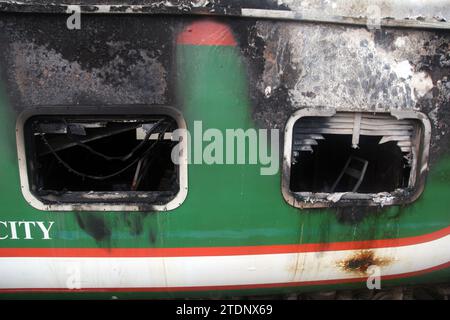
x: 317, y: 171
x: 100, y: 155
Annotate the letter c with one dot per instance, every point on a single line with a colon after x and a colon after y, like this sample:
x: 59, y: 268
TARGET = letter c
x: 6, y: 226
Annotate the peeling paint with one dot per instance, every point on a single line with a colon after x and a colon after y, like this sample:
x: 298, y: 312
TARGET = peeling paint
x: 383, y: 198
x: 318, y: 73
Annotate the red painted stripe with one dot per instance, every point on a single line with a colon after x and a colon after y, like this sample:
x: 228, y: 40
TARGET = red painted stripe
x: 229, y: 287
x: 219, y: 251
x: 207, y: 33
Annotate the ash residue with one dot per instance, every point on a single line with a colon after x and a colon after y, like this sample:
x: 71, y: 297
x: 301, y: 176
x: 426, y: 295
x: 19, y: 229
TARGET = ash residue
x: 311, y: 65
x: 334, y: 66
x: 43, y: 77
x: 111, y: 60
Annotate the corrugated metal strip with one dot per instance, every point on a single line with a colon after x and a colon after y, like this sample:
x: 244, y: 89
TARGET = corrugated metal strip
x: 308, y: 130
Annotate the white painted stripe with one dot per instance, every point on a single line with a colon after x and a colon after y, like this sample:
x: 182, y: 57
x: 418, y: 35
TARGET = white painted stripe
x: 212, y: 270
x: 265, y: 13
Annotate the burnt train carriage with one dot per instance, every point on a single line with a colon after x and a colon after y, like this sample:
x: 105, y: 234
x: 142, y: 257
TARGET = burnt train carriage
x: 95, y: 201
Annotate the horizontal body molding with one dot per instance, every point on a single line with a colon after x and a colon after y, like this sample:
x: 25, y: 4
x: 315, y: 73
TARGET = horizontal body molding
x: 197, y: 270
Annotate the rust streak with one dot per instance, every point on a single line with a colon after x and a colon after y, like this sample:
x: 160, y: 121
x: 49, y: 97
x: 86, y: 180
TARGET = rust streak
x: 362, y: 260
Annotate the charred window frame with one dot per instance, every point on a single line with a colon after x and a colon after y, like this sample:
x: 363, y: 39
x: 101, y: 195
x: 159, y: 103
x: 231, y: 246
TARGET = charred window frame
x: 309, y: 196
x: 143, y: 130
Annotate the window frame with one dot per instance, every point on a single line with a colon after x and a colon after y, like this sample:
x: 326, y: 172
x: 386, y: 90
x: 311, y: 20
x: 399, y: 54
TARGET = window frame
x: 105, y: 204
x: 306, y: 200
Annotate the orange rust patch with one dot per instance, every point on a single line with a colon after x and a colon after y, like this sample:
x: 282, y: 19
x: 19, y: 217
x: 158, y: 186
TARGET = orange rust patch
x: 362, y: 260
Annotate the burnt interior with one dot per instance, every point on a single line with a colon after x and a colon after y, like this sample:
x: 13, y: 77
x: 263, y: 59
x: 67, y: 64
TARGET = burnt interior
x: 73, y: 154
x: 388, y: 168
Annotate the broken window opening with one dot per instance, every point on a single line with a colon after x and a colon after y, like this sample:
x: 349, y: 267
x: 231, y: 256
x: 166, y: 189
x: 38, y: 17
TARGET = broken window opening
x: 80, y: 159
x: 354, y: 156
x: 319, y: 169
